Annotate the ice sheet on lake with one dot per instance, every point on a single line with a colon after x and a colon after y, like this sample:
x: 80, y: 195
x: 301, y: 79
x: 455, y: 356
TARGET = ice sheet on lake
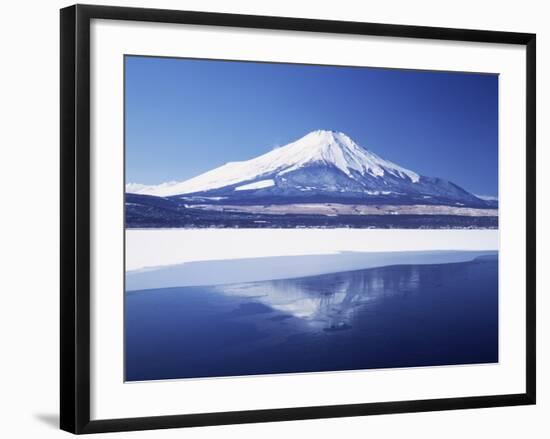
x: 220, y: 272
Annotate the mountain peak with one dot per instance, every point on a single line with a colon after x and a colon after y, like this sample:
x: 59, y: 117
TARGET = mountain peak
x: 326, y: 133
x: 327, y: 137
x: 337, y: 149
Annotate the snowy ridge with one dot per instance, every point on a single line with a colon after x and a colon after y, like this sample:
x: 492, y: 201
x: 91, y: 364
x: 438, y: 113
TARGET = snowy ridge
x: 256, y: 185
x: 487, y: 197
x: 321, y: 147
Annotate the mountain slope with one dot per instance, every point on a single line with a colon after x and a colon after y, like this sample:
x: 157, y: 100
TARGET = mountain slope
x: 323, y: 166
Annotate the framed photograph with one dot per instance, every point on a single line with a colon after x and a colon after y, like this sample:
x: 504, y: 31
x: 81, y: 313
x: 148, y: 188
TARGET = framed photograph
x: 268, y: 218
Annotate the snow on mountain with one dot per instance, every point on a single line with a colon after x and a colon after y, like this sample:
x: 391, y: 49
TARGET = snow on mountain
x: 325, y: 165
x: 143, y: 189
x: 256, y: 185
x: 326, y: 147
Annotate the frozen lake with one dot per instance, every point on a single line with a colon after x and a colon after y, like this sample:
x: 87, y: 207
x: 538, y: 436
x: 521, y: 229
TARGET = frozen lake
x: 219, y: 302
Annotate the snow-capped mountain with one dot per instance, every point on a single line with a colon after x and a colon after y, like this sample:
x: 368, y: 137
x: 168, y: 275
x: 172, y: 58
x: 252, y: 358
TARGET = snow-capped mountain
x: 322, y: 166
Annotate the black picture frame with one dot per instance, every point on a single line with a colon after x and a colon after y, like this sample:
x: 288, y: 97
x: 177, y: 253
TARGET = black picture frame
x: 75, y: 217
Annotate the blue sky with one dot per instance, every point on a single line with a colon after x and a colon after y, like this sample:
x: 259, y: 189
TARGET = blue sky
x: 185, y: 117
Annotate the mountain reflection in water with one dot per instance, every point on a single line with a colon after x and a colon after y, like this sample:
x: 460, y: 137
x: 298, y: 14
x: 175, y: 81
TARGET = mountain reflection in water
x: 395, y: 316
x: 331, y: 300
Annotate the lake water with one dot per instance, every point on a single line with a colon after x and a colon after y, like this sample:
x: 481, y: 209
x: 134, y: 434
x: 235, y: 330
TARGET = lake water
x: 394, y: 316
